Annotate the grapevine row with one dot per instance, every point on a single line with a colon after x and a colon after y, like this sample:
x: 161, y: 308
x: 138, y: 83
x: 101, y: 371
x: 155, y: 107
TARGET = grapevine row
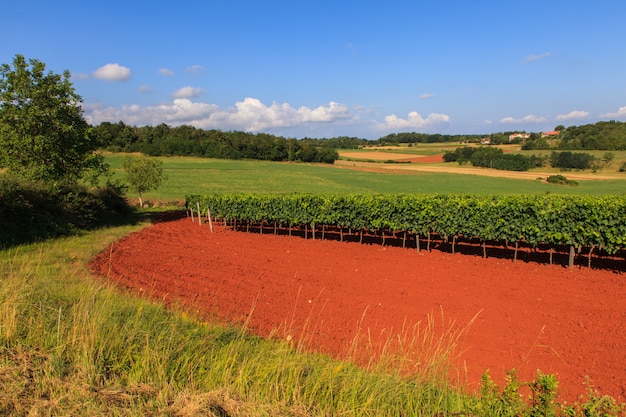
x: 575, y: 221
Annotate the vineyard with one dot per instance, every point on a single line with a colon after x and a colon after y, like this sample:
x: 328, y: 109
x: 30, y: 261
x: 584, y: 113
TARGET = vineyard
x: 575, y: 224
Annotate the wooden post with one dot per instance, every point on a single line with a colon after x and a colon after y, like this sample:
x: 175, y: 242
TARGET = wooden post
x: 208, y: 213
x: 572, y: 254
x: 551, y: 250
x: 199, y: 214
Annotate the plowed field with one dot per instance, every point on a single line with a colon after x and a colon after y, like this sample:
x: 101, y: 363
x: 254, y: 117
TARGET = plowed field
x: 522, y: 315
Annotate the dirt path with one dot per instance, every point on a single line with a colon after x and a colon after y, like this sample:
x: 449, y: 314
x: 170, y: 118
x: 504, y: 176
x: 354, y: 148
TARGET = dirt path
x: 528, y: 316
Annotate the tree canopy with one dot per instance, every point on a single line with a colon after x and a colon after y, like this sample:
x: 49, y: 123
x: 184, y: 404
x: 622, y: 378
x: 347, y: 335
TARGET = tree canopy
x: 143, y: 174
x: 43, y: 135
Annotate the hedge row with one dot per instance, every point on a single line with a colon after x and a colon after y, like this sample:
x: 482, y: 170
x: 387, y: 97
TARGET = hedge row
x: 577, y: 221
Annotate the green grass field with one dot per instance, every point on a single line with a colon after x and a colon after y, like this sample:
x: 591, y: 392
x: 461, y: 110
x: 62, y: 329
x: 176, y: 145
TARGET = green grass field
x: 188, y: 175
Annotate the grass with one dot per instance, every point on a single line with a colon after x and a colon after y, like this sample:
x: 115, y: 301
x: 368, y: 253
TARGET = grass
x: 188, y: 175
x: 71, y: 344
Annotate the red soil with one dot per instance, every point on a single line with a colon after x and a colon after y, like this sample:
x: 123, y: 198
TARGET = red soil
x: 528, y: 315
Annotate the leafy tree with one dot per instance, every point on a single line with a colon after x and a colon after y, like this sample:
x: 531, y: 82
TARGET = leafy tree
x: 143, y: 174
x: 512, y: 162
x: 43, y: 135
x: 484, y: 157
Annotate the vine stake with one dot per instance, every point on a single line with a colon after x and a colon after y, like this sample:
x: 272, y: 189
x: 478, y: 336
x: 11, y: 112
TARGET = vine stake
x: 208, y: 213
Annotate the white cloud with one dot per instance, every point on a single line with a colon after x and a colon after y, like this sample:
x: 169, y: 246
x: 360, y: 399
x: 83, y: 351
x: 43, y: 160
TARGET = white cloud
x: 414, y: 120
x: 488, y: 122
x: 166, y: 72
x: 196, y: 69
x: 112, y: 72
x: 576, y: 114
x: 533, y: 58
x: 256, y: 116
x: 426, y: 96
x: 620, y: 113
x: 188, y: 92
x: 526, y: 119
x: 248, y: 115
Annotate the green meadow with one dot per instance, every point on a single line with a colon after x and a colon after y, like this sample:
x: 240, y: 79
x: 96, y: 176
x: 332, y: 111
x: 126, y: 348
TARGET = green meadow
x: 187, y: 175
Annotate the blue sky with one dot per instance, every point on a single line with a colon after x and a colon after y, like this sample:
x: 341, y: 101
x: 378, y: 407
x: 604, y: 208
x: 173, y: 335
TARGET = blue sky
x: 333, y: 68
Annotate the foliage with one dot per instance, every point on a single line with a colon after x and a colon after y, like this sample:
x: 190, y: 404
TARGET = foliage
x: 601, y: 136
x: 489, y: 157
x: 163, y: 140
x: 552, y: 220
x: 485, y: 156
x: 571, y: 160
x: 513, y: 162
x: 560, y: 179
x: 32, y: 211
x: 413, y: 137
x: 43, y: 135
x: 143, y: 174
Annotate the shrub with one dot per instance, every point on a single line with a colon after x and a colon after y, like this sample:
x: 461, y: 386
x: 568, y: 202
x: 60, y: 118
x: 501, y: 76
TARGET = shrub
x: 560, y: 179
x: 32, y: 211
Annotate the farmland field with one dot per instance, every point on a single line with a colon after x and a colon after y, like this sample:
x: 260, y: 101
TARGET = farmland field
x: 188, y: 175
x: 522, y: 315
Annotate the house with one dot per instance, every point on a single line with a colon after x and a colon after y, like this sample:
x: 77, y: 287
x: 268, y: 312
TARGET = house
x: 550, y: 134
x: 485, y: 141
x: 519, y: 136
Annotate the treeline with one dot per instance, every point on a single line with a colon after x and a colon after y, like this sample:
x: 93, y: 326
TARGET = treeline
x: 488, y: 157
x: 610, y: 136
x: 163, y: 140
x: 413, y: 137
x: 495, y: 158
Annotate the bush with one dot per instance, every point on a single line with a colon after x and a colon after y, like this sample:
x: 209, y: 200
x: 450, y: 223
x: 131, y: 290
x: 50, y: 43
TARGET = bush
x: 561, y: 180
x: 31, y: 211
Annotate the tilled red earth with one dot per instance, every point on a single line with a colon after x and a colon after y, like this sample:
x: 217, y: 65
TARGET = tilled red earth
x: 522, y: 315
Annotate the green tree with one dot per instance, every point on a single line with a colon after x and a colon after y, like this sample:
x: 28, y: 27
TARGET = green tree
x: 43, y: 135
x: 143, y: 174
